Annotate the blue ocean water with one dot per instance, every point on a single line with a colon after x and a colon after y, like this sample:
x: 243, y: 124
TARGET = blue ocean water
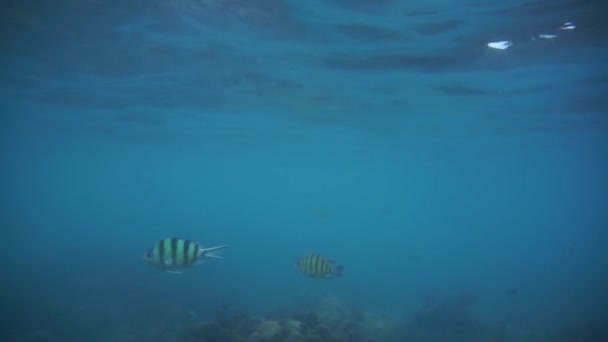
x: 386, y: 135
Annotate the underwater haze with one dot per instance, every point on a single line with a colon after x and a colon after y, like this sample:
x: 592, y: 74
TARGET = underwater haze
x: 462, y: 184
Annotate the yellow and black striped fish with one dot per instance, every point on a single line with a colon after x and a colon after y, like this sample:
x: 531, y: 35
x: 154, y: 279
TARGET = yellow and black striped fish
x: 172, y: 254
x: 316, y: 266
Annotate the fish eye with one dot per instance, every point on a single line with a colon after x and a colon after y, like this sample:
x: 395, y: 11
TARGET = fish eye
x: 149, y: 254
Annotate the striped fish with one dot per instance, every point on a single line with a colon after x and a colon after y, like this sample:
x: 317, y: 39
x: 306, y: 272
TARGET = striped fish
x: 173, y: 254
x: 316, y: 266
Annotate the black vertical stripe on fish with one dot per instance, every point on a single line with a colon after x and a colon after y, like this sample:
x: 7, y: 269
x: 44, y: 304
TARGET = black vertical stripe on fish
x: 322, y: 263
x: 191, y: 255
x: 193, y: 252
x: 161, y: 251
x: 321, y: 266
x: 317, y: 265
x: 187, y: 252
x: 310, y: 264
x: 174, y: 249
x: 309, y: 260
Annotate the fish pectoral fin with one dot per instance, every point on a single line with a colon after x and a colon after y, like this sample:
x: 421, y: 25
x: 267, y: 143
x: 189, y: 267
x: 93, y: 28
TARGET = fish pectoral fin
x: 176, y: 272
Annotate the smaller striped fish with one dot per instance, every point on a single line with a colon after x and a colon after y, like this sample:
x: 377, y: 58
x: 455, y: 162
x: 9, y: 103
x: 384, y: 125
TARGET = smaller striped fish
x: 316, y: 266
x: 173, y: 254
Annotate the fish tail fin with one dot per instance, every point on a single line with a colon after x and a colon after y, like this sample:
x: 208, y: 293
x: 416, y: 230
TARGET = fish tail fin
x: 213, y: 252
x: 339, y: 270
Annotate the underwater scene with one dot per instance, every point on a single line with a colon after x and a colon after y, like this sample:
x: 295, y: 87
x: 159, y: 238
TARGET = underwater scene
x: 304, y: 171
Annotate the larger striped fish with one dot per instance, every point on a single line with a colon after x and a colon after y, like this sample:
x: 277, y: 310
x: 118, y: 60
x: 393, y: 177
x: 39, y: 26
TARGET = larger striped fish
x: 173, y: 254
x: 316, y: 266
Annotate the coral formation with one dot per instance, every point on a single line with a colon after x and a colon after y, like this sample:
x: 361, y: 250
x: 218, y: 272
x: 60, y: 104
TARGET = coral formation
x: 265, y: 331
x: 331, y: 320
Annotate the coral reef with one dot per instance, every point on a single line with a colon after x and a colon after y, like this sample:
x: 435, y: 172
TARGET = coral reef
x: 330, y: 321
